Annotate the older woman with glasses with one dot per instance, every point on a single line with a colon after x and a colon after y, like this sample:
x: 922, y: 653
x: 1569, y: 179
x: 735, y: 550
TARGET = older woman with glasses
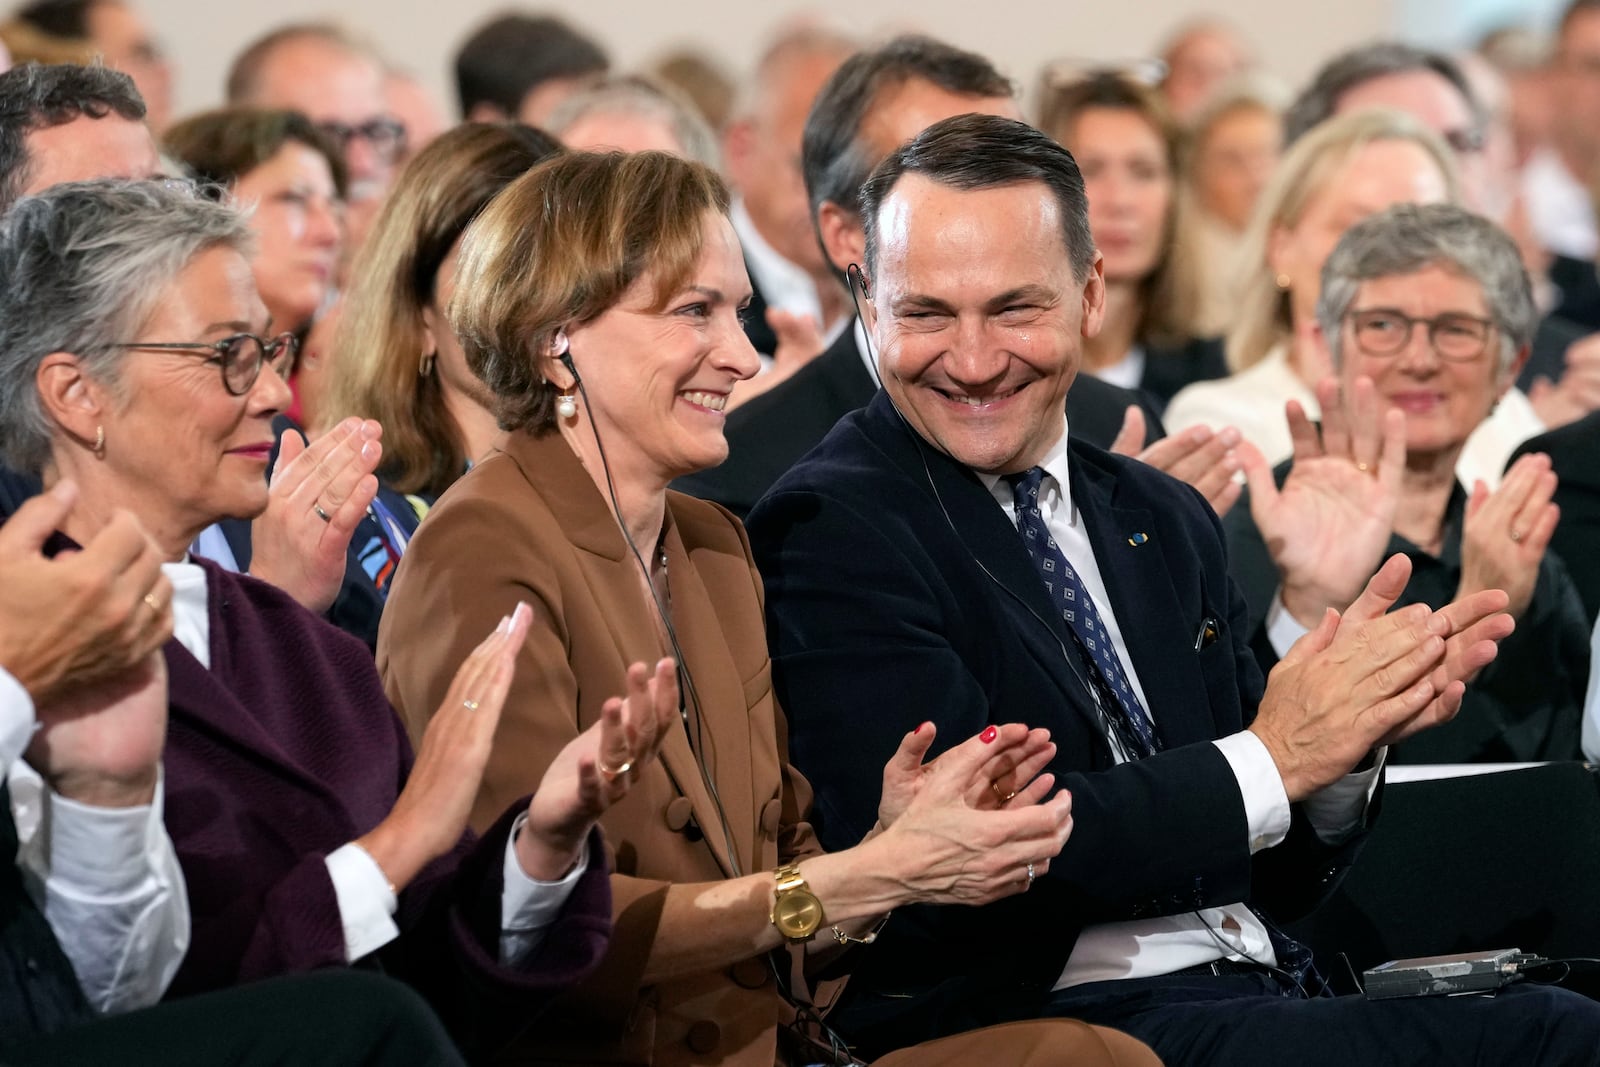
x: 1428, y: 316
x: 309, y: 833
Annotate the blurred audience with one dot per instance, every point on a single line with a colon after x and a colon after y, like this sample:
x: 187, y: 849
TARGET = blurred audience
x: 1427, y: 314
x: 1572, y: 450
x: 1348, y: 168
x: 1127, y: 148
x: 796, y: 294
x: 290, y: 180
x: 1233, y: 147
x: 118, y: 35
x: 520, y: 67
x: 22, y: 43
x: 701, y: 78
x: 409, y: 101
x: 633, y: 114
x: 399, y: 361
x: 336, y: 81
x: 1200, y: 57
x: 1522, y: 57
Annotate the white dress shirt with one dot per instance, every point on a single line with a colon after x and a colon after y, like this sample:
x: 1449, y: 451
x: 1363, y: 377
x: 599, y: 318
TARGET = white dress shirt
x: 1148, y: 947
x: 106, y: 879
x: 1126, y: 373
x: 1560, y: 208
x: 1252, y: 401
x: 783, y: 285
x: 366, y: 905
x: 1591, y: 706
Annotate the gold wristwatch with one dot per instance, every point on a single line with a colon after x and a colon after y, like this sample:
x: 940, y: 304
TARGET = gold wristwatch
x: 796, y: 911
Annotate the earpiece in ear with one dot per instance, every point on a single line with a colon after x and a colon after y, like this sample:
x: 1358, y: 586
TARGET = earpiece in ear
x: 559, y: 344
x: 855, y: 271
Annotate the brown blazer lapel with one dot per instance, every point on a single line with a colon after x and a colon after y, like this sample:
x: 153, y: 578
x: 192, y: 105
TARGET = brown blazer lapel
x: 612, y: 575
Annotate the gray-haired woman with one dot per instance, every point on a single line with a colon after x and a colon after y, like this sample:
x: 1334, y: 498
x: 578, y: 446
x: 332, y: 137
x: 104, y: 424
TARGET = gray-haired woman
x: 1428, y: 315
x: 308, y: 833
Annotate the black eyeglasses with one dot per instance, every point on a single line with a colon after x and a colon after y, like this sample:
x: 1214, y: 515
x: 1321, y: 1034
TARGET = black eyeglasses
x: 1456, y: 337
x: 240, y: 356
x: 386, y: 136
x: 1465, y: 141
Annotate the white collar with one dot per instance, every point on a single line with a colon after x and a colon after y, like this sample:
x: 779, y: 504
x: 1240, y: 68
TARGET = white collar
x: 1055, y: 466
x: 783, y: 284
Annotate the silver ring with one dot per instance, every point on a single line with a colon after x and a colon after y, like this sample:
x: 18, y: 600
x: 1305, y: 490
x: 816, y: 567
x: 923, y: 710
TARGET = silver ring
x: 323, y: 515
x: 470, y: 705
x: 1030, y: 876
x: 612, y: 775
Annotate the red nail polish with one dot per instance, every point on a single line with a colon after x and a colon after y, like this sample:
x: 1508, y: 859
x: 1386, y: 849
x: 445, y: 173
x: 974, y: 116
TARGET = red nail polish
x: 918, y: 730
x: 988, y: 735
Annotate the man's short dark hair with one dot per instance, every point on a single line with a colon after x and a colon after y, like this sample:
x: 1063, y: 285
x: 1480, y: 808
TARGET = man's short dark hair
x: 835, y: 162
x: 1319, y: 100
x: 58, y: 18
x: 37, y: 97
x: 511, y: 55
x: 970, y: 152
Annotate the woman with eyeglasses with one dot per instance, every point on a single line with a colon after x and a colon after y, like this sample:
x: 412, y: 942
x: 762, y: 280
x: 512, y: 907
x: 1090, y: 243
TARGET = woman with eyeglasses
x: 1428, y: 316
x: 1339, y: 173
x: 1126, y: 145
x: 309, y: 833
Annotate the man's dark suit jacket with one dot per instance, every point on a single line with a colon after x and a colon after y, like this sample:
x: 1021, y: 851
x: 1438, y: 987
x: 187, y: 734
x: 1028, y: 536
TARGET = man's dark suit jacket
x: 898, y: 591
x: 762, y: 339
x: 769, y: 435
x: 1575, y: 453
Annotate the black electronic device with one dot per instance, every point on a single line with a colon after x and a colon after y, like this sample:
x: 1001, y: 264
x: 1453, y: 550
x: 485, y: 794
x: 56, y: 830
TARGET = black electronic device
x: 1434, y: 976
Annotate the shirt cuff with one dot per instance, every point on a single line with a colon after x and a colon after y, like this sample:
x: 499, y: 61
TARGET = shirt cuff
x: 528, y: 907
x: 1283, y: 629
x: 102, y: 852
x: 17, y: 721
x: 1338, y: 811
x: 1266, y: 804
x: 366, y: 905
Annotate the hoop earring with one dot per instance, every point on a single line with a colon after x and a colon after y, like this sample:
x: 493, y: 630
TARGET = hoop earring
x: 99, y: 442
x: 567, y: 406
x: 425, y: 367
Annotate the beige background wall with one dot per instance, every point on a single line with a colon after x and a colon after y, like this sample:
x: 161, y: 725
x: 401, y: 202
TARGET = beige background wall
x: 421, y: 35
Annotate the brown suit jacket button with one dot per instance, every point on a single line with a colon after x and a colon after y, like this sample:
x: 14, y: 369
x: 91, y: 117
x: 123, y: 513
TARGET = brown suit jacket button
x: 703, y: 1036
x: 750, y: 974
x: 678, y: 813
x: 772, y: 817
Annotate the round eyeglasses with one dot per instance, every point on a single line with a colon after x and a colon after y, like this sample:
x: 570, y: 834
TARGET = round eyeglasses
x: 1456, y: 337
x: 239, y: 356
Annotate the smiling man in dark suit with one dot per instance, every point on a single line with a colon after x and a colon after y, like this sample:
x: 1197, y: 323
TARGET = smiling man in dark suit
x: 875, y: 102
x: 950, y: 554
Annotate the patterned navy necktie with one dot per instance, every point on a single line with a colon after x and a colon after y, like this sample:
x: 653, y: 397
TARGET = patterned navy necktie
x: 1109, y: 686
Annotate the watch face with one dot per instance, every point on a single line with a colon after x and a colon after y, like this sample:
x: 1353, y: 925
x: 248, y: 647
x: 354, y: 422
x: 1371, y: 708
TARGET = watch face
x: 797, y: 914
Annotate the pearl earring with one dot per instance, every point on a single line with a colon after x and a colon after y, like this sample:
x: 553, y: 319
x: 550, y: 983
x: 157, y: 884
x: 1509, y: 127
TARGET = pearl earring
x: 1283, y: 280
x: 567, y: 406
x: 99, y: 442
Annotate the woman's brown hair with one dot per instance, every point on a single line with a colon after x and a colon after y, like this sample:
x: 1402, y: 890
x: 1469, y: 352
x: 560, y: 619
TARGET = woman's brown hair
x: 224, y: 145
x: 560, y: 247
x: 1168, y: 298
x: 378, y: 369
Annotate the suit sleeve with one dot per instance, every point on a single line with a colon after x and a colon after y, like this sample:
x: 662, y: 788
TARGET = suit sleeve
x: 437, y: 613
x: 870, y: 638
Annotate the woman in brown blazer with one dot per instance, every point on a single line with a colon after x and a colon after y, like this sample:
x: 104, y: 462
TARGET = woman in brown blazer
x: 598, y: 299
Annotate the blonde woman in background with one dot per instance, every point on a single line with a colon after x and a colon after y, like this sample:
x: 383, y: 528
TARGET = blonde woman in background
x: 1343, y: 171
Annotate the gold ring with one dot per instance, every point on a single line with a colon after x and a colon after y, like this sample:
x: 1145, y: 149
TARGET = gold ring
x: 1516, y: 536
x: 323, y: 515
x: 470, y: 705
x: 613, y: 774
x: 1364, y: 468
x: 155, y: 605
x: 994, y: 787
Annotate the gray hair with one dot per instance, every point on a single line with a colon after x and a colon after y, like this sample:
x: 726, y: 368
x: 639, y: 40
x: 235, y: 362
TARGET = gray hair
x: 82, y: 267
x: 641, y: 97
x: 1407, y: 238
x: 1319, y: 100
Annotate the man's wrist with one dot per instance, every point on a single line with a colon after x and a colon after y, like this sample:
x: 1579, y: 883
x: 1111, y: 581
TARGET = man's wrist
x: 100, y: 791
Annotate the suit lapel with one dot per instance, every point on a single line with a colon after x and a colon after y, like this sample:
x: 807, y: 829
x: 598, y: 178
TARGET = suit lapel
x: 1132, y: 558
x: 612, y: 576
x: 989, y: 536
